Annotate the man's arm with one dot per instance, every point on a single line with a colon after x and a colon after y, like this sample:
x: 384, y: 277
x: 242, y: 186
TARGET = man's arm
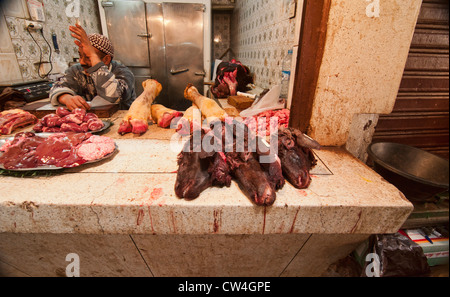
x: 65, y: 91
x: 114, y: 86
x: 111, y: 85
x: 73, y: 102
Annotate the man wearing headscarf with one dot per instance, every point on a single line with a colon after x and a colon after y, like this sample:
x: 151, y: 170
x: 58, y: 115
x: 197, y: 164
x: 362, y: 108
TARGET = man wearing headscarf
x: 96, y: 75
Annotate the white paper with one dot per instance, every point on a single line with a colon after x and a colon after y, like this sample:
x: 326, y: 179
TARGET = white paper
x: 73, y: 9
x: 99, y: 101
x: 96, y: 102
x: 48, y: 107
x: 271, y: 101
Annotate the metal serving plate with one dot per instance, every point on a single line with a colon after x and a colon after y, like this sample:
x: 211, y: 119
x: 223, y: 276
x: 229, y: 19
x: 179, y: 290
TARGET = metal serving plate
x: 52, y: 167
x: 106, y: 126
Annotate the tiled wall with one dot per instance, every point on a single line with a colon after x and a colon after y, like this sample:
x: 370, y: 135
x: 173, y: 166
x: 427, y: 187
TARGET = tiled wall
x: 222, y: 35
x: 222, y: 29
x: 26, y: 52
x: 262, y: 33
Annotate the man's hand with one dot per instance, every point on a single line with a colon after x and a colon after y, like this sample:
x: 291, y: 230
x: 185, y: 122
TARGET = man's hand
x: 73, y: 102
x: 84, y: 45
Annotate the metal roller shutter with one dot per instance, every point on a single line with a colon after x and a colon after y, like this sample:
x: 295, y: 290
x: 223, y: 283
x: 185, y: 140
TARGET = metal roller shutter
x: 421, y: 114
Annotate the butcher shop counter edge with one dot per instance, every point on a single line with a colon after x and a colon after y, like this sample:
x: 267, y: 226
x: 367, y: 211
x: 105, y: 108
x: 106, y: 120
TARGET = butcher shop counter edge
x: 352, y: 200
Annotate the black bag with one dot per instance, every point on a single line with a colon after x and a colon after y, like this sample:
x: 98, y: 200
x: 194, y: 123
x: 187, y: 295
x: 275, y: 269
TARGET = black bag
x: 398, y: 256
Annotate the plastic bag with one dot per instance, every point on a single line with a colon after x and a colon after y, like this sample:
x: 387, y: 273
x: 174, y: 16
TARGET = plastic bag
x: 395, y: 255
x: 270, y: 101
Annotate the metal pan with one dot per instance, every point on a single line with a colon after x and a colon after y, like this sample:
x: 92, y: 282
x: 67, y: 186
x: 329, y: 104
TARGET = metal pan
x: 418, y: 174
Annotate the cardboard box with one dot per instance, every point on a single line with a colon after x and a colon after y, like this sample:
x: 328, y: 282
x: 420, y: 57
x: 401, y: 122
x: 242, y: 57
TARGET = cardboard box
x: 437, y: 252
x: 240, y: 102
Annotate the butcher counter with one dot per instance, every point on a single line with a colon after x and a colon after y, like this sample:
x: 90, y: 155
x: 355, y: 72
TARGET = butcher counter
x: 121, y: 217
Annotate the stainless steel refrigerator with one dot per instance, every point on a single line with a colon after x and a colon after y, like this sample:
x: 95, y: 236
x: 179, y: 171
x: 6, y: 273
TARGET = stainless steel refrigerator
x: 164, y: 41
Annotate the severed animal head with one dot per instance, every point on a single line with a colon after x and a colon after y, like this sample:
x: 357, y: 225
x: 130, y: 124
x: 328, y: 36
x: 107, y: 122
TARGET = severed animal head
x: 297, y: 158
x: 199, y: 169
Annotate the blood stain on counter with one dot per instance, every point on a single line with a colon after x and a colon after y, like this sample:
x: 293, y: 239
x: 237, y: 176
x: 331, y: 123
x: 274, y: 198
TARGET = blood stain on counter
x: 156, y: 193
x: 217, y: 220
x: 120, y: 180
x: 302, y: 193
x: 140, y: 217
x: 293, y: 222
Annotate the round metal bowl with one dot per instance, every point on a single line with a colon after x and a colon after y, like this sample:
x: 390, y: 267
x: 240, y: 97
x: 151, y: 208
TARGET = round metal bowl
x: 419, y: 175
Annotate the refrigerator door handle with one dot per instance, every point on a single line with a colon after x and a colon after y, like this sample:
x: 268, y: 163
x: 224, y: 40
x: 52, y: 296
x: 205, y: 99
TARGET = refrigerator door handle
x: 145, y: 35
x: 200, y: 73
x: 173, y: 71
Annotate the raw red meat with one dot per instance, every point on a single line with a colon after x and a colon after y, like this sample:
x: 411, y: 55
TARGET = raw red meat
x: 50, y: 130
x: 51, y: 121
x: 95, y: 124
x: 85, y: 127
x: 60, y: 151
x: 39, y: 127
x: 89, y: 116
x: 20, y: 152
x: 252, y: 179
x: 193, y: 177
x: 265, y: 121
x: 13, y: 119
x: 230, y: 78
x: 65, y: 150
x: 73, y: 118
x: 71, y: 127
x: 96, y: 147
x: 79, y: 112
x: 65, y: 121
x: 62, y: 112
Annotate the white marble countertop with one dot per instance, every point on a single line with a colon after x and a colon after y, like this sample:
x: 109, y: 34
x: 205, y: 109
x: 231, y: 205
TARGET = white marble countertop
x: 133, y: 193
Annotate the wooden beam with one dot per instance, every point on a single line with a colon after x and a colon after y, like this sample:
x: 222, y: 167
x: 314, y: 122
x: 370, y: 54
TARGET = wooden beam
x: 311, y: 49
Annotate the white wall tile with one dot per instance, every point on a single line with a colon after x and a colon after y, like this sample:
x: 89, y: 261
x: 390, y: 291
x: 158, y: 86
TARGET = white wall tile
x: 262, y: 33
